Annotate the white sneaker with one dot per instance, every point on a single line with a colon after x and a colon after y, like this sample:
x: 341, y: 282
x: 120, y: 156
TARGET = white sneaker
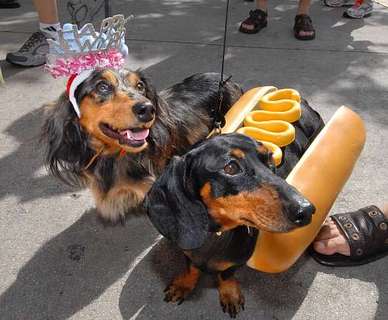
x: 359, y: 11
x: 338, y: 3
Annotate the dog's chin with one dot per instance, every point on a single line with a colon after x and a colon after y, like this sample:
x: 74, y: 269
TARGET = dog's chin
x: 134, y: 149
x: 269, y: 226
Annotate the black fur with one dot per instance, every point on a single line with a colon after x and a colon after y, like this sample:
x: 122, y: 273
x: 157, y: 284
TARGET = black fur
x: 175, y: 207
x: 184, y: 116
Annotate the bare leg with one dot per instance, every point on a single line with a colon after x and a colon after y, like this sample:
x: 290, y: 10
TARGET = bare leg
x: 262, y: 4
x: 304, y: 7
x: 47, y: 11
x: 331, y: 240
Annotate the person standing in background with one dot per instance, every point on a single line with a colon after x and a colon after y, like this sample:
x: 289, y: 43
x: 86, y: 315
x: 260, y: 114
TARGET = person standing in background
x: 34, y: 51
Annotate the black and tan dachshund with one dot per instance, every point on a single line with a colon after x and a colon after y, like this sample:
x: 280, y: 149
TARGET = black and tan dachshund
x: 213, y: 201
x: 127, y: 133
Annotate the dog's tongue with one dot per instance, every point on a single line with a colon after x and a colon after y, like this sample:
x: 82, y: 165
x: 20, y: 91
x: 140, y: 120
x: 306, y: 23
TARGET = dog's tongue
x: 135, y: 135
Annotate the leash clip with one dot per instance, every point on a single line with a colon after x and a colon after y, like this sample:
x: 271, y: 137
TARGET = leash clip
x: 217, y: 127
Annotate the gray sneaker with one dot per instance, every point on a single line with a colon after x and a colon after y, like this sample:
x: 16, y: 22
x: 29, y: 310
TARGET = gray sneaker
x: 32, y: 53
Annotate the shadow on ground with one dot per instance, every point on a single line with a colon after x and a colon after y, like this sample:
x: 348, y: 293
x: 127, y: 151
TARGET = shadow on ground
x: 267, y: 296
x: 23, y: 167
x: 74, y: 268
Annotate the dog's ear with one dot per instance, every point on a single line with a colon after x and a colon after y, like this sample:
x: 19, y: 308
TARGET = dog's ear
x: 66, y: 144
x: 174, y: 208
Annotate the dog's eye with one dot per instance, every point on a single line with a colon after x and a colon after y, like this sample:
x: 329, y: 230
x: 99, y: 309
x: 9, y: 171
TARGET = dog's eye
x: 104, y: 88
x: 232, y: 168
x: 140, y: 86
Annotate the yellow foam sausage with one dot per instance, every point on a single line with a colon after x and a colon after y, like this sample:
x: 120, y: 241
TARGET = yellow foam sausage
x: 249, y: 101
x: 269, y: 125
x: 319, y: 175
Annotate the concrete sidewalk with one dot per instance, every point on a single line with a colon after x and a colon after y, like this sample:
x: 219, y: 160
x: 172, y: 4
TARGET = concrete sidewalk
x: 58, y: 262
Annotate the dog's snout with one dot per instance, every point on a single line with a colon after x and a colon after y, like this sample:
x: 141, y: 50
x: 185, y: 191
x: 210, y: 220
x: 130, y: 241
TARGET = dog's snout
x: 301, y: 213
x: 144, y: 111
x: 297, y: 208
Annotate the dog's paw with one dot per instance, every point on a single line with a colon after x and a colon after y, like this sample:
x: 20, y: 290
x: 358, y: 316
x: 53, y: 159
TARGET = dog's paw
x: 176, y: 292
x: 232, y: 304
x: 231, y: 298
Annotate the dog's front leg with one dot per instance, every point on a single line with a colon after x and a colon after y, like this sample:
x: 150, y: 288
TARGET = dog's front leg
x: 231, y: 298
x: 182, y: 285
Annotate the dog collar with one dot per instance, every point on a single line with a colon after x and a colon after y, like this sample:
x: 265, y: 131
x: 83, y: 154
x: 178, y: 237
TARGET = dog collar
x: 249, y: 230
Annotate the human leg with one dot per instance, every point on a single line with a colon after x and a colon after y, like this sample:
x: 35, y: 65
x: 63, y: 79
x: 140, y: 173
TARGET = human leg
x: 303, y: 27
x: 33, y: 52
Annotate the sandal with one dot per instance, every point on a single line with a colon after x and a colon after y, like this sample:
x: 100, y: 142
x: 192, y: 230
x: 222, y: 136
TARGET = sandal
x: 366, y: 231
x: 257, y: 20
x: 303, y: 23
x: 9, y: 4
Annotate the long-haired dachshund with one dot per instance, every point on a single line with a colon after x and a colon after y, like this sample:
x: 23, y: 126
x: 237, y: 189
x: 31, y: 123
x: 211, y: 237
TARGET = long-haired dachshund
x: 213, y: 201
x: 127, y: 133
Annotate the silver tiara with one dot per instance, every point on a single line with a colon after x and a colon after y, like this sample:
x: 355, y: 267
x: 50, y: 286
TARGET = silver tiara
x: 76, y: 50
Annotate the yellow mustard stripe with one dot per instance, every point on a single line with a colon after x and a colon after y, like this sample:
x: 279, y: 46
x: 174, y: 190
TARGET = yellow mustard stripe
x: 271, y: 125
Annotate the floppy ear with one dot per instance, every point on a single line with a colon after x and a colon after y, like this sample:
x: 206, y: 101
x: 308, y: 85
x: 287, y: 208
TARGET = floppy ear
x: 174, y: 208
x: 66, y: 144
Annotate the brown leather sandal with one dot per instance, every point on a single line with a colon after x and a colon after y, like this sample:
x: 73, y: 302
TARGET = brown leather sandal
x: 9, y: 4
x: 303, y: 23
x: 366, y: 231
x: 257, y: 20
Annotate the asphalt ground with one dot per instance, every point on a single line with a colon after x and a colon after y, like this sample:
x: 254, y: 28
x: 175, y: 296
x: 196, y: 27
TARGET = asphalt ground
x: 58, y: 262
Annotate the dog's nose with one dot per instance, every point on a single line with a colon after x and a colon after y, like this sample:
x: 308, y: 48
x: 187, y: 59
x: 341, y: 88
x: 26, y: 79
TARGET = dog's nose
x: 301, y: 213
x: 144, y: 111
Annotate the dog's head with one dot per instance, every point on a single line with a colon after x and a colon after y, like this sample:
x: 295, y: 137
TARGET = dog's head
x: 117, y: 110
x: 225, y: 182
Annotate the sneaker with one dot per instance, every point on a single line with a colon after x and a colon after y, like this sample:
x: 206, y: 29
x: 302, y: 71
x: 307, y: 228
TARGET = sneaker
x: 338, y: 3
x: 359, y: 11
x: 32, y: 53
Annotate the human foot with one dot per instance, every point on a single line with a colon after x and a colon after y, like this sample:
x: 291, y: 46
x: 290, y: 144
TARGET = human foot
x: 303, y: 27
x: 352, y: 238
x: 256, y: 21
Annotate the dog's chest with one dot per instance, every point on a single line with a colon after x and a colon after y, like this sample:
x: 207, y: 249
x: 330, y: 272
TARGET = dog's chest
x: 219, y: 253
x: 119, y: 188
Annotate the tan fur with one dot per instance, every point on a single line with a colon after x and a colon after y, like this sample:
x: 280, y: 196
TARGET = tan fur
x: 238, y: 153
x: 262, y: 149
x: 259, y: 208
x: 133, y: 79
x: 124, y: 196
x: 220, y: 265
x: 182, y: 285
x: 116, y: 112
x: 231, y: 297
x: 110, y: 77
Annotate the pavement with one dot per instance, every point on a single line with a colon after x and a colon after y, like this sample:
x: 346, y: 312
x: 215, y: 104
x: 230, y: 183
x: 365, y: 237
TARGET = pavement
x: 58, y: 262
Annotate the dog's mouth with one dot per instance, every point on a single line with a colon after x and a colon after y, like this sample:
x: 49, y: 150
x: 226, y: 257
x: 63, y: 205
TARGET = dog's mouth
x: 268, y: 226
x: 133, y: 137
